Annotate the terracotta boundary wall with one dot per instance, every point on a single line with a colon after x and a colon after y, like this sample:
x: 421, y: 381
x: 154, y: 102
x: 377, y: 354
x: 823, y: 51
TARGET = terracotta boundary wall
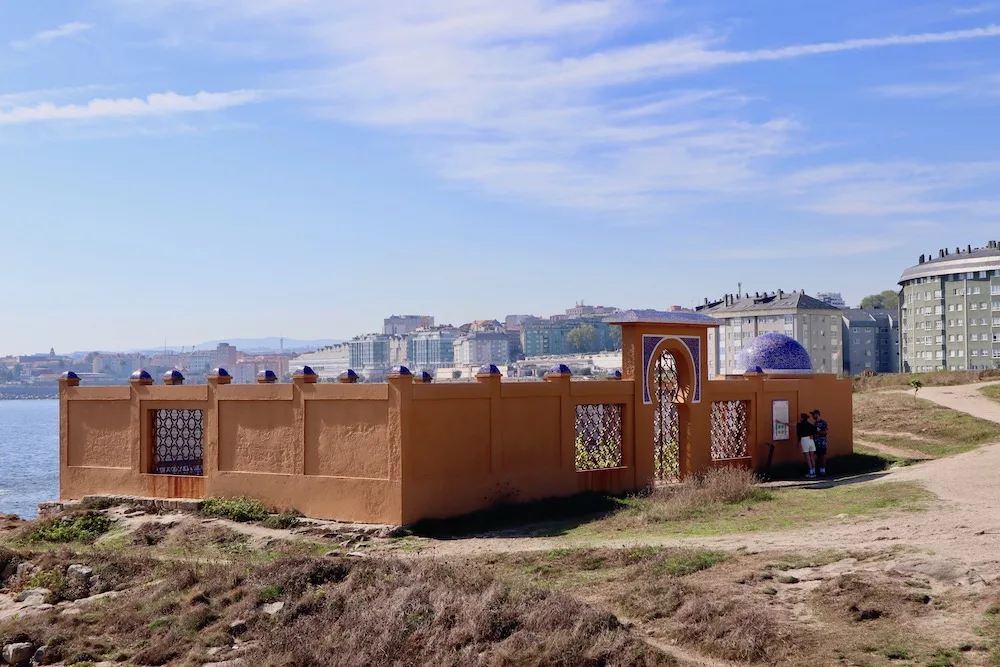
x: 400, y: 451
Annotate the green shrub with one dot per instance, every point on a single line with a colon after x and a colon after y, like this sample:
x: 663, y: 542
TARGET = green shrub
x: 83, y: 527
x: 242, y: 510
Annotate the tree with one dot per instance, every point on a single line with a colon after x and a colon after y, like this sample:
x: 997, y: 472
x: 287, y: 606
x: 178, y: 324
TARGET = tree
x: 916, y: 384
x: 583, y: 338
x: 456, y: 374
x: 616, y: 336
x: 886, y: 299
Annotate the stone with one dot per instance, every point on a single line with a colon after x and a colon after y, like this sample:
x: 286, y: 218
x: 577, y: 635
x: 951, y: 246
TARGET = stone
x: 237, y: 627
x: 23, y: 570
x: 81, y: 571
x: 44, y: 607
x: 16, y: 654
x: 39, y: 657
x: 34, y: 596
x: 356, y: 554
x: 272, y: 608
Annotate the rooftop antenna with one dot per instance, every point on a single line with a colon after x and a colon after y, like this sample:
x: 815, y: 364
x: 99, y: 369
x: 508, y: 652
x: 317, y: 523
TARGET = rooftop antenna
x: 739, y: 289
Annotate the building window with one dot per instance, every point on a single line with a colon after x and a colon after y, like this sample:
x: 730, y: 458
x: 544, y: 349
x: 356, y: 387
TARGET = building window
x: 982, y: 274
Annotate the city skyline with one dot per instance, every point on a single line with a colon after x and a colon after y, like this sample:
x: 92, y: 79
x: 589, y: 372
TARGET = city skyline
x: 188, y: 170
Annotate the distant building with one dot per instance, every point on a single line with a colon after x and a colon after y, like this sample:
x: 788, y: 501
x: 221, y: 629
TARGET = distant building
x: 871, y: 341
x: 118, y: 365
x: 430, y: 349
x: 200, y: 362
x: 950, y: 311
x: 479, y: 348
x: 548, y: 337
x: 370, y: 355
x: 225, y: 355
x: 400, y: 325
x: 832, y: 299
x: 814, y: 324
x: 247, y: 368
x: 580, y: 310
x: 514, y: 322
x: 327, y: 362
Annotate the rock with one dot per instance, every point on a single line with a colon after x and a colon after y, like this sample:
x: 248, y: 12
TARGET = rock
x: 215, y: 650
x: 34, y: 596
x: 15, y: 654
x: 81, y: 571
x: 44, y: 607
x: 356, y: 554
x: 71, y: 611
x: 391, y: 532
x: 236, y: 662
x: 39, y: 657
x: 23, y: 570
x: 237, y: 627
x: 95, y: 583
x: 272, y: 608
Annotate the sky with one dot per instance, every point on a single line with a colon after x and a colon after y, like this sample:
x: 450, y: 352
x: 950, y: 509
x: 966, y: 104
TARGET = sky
x: 184, y: 170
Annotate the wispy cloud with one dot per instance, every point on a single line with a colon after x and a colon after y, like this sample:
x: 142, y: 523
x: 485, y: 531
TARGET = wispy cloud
x: 792, y: 247
x: 157, y: 104
x: 981, y: 8
x: 974, y: 87
x: 528, y: 98
x: 48, y: 36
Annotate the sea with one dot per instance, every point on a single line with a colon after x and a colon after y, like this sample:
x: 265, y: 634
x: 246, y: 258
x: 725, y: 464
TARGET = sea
x: 29, y: 455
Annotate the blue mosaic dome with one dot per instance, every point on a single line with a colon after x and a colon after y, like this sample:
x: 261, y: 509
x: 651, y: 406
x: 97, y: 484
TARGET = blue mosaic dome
x: 774, y: 353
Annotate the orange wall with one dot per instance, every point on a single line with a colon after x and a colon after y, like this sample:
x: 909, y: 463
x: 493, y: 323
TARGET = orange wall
x: 398, y: 452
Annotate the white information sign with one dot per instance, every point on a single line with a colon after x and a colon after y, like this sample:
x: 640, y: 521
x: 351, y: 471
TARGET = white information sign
x: 779, y: 412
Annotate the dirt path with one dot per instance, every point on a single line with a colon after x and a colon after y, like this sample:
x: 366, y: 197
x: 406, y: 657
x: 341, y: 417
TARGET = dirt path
x: 956, y: 541
x: 892, y: 451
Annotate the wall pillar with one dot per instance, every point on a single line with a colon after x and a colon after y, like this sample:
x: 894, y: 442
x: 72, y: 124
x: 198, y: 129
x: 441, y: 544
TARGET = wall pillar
x: 303, y: 380
x: 68, y: 381
x: 561, y: 375
x: 210, y: 449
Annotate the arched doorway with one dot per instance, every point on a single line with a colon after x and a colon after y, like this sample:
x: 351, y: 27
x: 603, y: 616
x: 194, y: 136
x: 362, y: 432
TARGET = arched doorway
x: 666, y: 418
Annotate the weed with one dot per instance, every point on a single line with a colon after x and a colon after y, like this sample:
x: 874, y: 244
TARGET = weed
x: 283, y: 521
x: 787, y: 579
x: 81, y: 527
x: 240, y: 509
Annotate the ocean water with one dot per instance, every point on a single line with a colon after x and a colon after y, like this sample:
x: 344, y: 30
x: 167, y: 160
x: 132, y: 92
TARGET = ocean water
x: 29, y: 455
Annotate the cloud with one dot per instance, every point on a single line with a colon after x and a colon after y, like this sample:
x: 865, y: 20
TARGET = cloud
x: 157, y: 104
x: 974, y: 87
x: 972, y: 10
x: 48, y: 36
x: 792, y: 247
x: 548, y: 102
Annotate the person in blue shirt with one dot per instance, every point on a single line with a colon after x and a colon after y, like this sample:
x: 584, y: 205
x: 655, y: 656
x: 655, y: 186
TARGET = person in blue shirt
x: 820, y: 440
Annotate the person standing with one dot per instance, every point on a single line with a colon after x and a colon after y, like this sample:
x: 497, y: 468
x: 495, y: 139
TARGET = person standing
x: 805, y: 429
x: 820, y: 441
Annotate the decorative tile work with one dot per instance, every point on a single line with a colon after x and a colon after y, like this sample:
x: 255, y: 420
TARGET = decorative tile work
x: 649, y: 345
x: 774, y: 352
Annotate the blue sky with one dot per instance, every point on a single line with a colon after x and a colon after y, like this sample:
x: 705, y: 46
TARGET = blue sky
x: 198, y: 169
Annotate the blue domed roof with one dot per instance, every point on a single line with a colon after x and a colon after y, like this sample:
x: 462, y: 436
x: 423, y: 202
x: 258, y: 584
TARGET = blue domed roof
x: 774, y: 353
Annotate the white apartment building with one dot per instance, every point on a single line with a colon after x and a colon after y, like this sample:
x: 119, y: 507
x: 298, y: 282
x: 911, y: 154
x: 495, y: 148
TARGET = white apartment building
x: 482, y: 347
x: 327, y: 362
x: 814, y: 324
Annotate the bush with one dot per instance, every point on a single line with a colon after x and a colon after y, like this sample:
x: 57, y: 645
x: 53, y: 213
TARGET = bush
x: 242, y: 510
x: 84, y: 527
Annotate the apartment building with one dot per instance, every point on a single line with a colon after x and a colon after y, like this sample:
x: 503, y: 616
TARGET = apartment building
x: 327, y: 362
x: 370, y: 355
x: 400, y: 325
x: 950, y: 310
x: 834, y: 299
x: 871, y: 341
x: 814, y: 324
x: 479, y: 348
x: 430, y: 349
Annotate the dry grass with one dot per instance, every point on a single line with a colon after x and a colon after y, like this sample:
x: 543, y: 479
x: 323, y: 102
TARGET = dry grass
x: 938, y: 379
x: 336, y: 612
x: 913, y: 423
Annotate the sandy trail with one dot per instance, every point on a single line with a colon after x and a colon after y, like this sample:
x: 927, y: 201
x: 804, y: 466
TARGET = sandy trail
x: 957, y: 538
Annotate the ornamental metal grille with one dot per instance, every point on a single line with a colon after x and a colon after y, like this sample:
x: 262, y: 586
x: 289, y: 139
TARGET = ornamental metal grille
x: 729, y: 429
x: 599, y: 436
x: 666, y: 419
x: 178, y: 440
